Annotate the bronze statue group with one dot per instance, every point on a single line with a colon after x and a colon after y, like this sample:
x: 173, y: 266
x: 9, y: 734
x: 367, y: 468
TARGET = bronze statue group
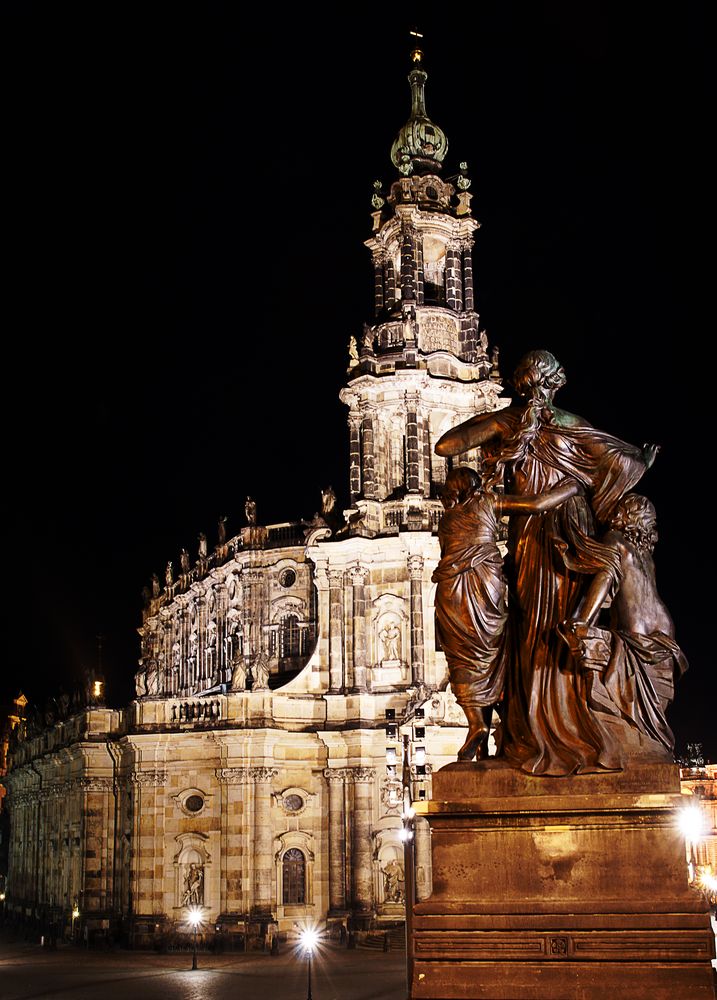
x: 524, y: 634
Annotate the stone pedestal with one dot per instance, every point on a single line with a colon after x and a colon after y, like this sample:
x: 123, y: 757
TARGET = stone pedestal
x: 558, y: 889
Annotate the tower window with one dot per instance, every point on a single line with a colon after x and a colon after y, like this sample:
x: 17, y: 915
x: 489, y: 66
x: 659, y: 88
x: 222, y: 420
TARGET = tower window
x: 294, y: 876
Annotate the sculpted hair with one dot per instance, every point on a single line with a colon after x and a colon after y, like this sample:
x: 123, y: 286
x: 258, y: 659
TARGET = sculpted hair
x: 460, y: 483
x: 635, y: 516
x: 538, y: 371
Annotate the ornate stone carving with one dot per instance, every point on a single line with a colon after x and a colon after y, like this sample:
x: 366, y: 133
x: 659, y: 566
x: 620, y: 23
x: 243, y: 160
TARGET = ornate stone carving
x: 341, y: 774
x: 415, y: 567
x: 98, y: 784
x: 438, y: 333
x: 363, y: 774
x: 262, y: 774
x: 149, y: 779
x: 234, y: 775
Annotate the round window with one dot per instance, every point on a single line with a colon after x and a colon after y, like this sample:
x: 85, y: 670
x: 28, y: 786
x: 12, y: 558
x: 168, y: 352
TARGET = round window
x: 287, y: 578
x: 193, y: 803
x: 292, y: 803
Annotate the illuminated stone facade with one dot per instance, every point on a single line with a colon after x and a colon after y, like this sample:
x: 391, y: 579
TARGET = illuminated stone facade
x: 249, y: 775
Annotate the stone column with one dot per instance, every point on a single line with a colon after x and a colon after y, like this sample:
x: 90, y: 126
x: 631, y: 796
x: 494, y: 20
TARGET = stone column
x: 390, y: 283
x: 362, y: 871
x: 420, y: 286
x: 201, y: 664
x: 426, y: 434
x: 412, y: 456
x: 378, y: 290
x: 166, y: 660
x: 358, y: 579
x: 408, y: 265
x: 468, y: 296
x: 336, y: 631
x: 221, y: 601
x: 367, y: 453
x: 355, y: 454
x: 336, y: 779
x: 453, y: 277
x: 263, y: 901
x: 415, y: 570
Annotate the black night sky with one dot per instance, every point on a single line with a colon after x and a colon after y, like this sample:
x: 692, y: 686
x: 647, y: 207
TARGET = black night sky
x: 186, y: 196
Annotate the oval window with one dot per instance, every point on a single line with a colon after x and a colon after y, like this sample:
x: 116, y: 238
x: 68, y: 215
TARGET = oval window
x: 193, y: 803
x: 287, y: 578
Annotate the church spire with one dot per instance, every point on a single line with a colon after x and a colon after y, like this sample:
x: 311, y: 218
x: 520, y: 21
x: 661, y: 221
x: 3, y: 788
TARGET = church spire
x: 420, y: 146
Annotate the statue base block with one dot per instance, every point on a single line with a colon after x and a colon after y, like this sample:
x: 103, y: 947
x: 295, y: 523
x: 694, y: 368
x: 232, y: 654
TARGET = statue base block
x: 559, y: 888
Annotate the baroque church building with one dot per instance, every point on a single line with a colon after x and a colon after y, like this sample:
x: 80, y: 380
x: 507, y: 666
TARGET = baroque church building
x: 254, y: 775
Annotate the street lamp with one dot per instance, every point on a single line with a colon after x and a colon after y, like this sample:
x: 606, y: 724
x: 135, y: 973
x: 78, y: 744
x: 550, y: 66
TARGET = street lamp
x: 413, y: 758
x: 195, y: 918
x: 692, y: 824
x: 75, y: 915
x: 309, y: 939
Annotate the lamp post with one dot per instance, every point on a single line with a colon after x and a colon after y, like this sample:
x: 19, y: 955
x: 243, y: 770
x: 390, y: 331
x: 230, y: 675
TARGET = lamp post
x: 75, y: 915
x: 309, y: 940
x: 195, y: 919
x: 413, y: 751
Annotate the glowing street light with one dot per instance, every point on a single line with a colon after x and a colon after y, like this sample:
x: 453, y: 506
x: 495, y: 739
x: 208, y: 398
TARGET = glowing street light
x: 692, y: 825
x: 309, y: 939
x: 195, y: 918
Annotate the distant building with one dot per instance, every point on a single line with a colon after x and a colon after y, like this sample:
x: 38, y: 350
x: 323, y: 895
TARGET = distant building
x: 249, y: 775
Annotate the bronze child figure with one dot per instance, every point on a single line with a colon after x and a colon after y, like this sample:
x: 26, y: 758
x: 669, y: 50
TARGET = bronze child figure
x: 470, y: 602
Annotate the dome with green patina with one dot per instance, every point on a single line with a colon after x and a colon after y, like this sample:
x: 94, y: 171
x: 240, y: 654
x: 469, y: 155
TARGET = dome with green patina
x: 420, y: 147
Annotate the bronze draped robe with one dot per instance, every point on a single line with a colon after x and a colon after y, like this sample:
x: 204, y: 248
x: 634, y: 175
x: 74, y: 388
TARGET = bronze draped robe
x: 470, y: 600
x: 546, y: 725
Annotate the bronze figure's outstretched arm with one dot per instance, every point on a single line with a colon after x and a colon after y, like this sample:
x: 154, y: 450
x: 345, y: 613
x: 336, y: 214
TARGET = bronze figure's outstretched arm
x: 541, y: 502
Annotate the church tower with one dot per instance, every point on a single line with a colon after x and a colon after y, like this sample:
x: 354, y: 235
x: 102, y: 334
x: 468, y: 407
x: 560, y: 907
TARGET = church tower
x: 250, y: 775
x: 422, y: 365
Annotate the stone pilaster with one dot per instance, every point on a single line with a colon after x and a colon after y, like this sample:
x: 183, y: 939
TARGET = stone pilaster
x: 362, y: 873
x: 233, y: 798
x: 336, y: 779
x: 358, y: 580
x: 263, y: 901
x: 415, y: 570
x: 146, y: 890
x: 336, y: 631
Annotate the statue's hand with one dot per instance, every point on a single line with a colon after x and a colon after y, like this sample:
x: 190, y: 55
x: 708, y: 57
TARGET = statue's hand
x: 650, y: 452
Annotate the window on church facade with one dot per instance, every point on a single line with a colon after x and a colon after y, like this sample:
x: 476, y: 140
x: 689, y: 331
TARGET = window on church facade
x: 290, y: 636
x: 294, y: 876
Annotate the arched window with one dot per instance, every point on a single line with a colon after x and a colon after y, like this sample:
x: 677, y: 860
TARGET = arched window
x: 294, y: 876
x: 290, y: 636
